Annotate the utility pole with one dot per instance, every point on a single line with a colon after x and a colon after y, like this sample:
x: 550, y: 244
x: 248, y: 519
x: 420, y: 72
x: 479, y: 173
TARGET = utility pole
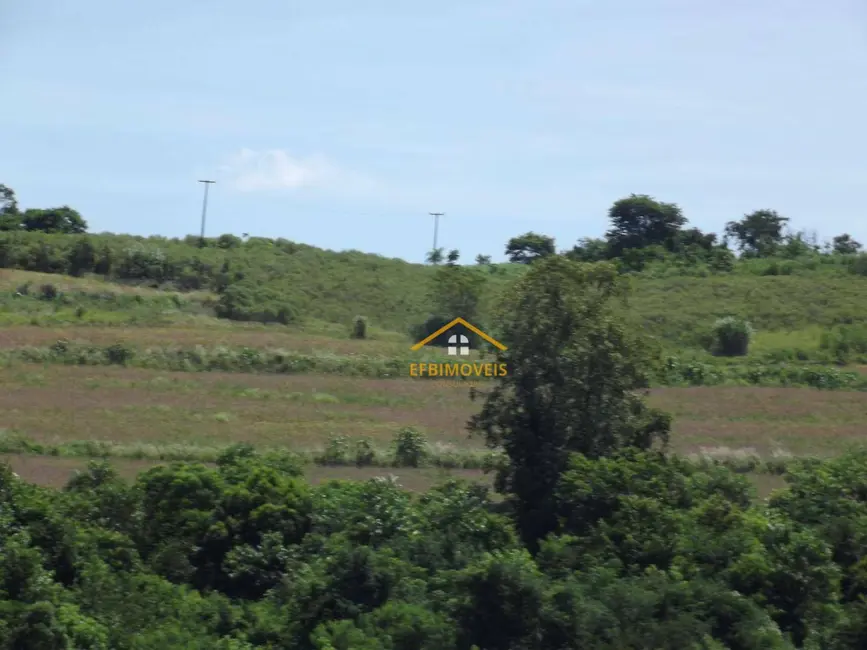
x: 436, y: 216
x: 204, y: 211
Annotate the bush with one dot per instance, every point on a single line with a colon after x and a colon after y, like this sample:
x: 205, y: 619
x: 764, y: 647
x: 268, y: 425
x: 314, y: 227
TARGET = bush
x: 365, y: 455
x: 359, y: 328
x: 48, y: 292
x: 410, y: 448
x: 845, y: 341
x: 249, y: 301
x: 336, y: 451
x: 722, y: 260
x: 119, y: 354
x: 858, y: 264
x: 731, y: 337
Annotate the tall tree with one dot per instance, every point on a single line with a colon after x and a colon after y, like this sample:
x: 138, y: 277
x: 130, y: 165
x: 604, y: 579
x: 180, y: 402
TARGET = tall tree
x: 435, y: 256
x: 10, y: 217
x: 529, y: 247
x: 573, y: 382
x: 63, y: 220
x: 589, y: 249
x: 845, y: 245
x: 759, y: 233
x: 639, y: 221
x: 457, y: 291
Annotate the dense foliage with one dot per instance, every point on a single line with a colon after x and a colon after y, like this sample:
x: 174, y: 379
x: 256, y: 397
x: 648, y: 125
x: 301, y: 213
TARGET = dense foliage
x: 647, y: 552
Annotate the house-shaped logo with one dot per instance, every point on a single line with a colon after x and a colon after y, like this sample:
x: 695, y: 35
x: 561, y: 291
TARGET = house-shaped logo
x: 458, y: 344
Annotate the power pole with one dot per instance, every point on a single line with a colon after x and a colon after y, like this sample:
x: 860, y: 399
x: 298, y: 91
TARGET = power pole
x: 436, y: 216
x: 204, y: 211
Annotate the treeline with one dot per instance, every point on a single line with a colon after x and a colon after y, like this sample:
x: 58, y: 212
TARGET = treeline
x: 644, y: 231
x: 648, y: 553
x: 61, y: 219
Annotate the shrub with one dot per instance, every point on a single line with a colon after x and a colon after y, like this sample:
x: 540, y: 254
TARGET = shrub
x: 410, y: 448
x: 359, y: 328
x: 228, y: 241
x: 722, y: 260
x: 845, y: 341
x: 336, y: 451
x: 858, y: 264
x: 119, y: 354
x: 249, y: 301
x: 731, y: 337
x: 365, y: 455
x: 48, y: 292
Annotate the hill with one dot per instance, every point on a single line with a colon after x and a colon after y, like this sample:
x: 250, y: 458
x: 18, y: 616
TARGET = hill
x: 135, y: 280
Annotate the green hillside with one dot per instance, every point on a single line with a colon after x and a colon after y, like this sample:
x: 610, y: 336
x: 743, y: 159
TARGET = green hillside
x: 162, y: 280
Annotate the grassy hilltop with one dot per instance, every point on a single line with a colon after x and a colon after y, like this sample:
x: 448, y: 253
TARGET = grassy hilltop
x: 124, y: 280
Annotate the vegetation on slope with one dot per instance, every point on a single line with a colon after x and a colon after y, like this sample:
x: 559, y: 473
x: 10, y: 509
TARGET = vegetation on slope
x: 601, y: 541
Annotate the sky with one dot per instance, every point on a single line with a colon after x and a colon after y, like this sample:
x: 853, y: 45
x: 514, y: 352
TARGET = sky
x: 342, y: 124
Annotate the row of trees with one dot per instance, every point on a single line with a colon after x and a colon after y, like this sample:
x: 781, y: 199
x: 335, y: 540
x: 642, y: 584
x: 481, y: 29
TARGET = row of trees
x: 601, y: 542
x: 62, y: 219
x: 640, y: 222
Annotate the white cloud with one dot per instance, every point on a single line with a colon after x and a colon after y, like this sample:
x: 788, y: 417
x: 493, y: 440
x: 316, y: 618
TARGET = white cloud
x: 276, y: 169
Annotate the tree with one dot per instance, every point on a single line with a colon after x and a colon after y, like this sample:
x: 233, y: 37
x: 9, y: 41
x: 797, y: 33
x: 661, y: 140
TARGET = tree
x: 483, y: 260
x: 589, y: 249
x: 529, y: 247
x: 639, y: 220
x: 435, y: 256
x: 573, y: 375
x: 10, y: 217
x: 63, y: 220
x: 457, y: 291
x: 845, y: 245
x: 759, y: 233
x: 453, y: 257
x: 697, y: 238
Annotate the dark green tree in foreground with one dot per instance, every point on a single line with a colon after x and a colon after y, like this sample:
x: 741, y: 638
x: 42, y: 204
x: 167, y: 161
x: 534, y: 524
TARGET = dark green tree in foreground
x: 529, y: 247
x: 574, y: 376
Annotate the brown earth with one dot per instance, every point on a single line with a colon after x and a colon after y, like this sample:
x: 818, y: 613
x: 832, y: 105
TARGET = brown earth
x: 55, y: 472
x: 59, y: 403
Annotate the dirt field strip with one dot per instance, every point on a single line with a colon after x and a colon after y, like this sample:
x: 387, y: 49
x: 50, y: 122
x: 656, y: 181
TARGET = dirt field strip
x: 56, y: 472
x: 66, y: 403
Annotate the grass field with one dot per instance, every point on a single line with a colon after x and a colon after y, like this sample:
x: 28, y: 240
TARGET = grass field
x: 58, y: 404
x: 61, y: 404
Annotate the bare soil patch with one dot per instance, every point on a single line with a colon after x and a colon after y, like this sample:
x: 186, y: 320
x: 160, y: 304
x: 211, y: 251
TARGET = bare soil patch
x: 60, y: 403
x: 55, y: 472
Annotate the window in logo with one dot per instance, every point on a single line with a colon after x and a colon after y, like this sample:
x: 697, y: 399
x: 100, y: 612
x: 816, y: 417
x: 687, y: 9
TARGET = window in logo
x: 459, y: 344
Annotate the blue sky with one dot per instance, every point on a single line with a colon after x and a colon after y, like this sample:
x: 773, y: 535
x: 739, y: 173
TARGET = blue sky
x: 342, y: 124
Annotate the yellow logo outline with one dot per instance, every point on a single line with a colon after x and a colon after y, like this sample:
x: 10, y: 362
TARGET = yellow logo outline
x: 469, y: 326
